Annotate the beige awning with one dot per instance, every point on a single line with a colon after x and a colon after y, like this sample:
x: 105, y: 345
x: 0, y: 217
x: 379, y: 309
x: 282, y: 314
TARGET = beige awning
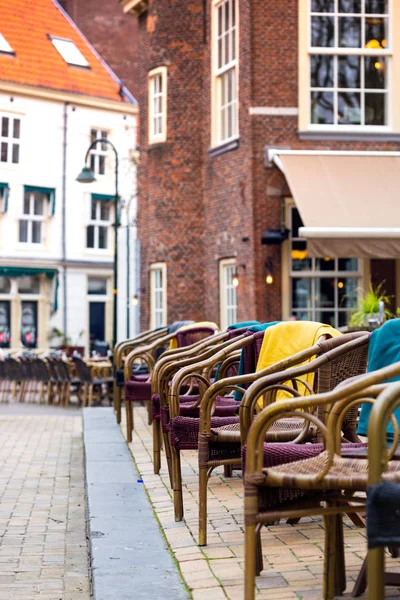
x: 349, y: 204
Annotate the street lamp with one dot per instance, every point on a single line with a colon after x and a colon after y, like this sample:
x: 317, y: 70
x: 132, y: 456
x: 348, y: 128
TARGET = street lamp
x: 87, y: 176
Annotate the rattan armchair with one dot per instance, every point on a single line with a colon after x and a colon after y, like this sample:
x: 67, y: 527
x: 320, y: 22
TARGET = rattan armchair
x: 334, y: 360
x: 330, y: 481
x: 121, y: 350
x: 139, y: 389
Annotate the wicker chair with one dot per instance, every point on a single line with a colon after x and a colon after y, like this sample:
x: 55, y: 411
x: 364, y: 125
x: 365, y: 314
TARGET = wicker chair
x: 139, y: 390
x: 383, y: 522
x: 91, y: 387
x: 163, y: 372
x: 330, y: 481
x: 121, y: 350
x: 335, y: 359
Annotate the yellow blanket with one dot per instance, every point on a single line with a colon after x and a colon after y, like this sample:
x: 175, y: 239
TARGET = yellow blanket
x: 290, y: 337
x: 174, y: 344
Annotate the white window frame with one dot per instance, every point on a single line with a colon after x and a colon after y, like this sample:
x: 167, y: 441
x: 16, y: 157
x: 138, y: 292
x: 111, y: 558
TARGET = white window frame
x: 70, y: 53
x: 5, y: 46
x: 227, y: 292
x: 157, y: 75
x: 229, y: 67
x: 97, y: 223
x: 100, y: 150
x: 30, y: 217
x: 336, y: 52
x: 314, y: 274
x: 158, y: 295
x: 10, y: 140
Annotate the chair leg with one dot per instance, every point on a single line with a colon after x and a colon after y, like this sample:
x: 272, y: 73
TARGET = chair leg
x: 90, y: 394
x: 168, y: 452
x: 41, y: 392
x: 228, y: 470
x: 117, y: 402
x: 334, y: 568
x: 67, y: 394
x: 177, y: 480
x: 376, y: 561
x: 149, y: 414
x: 129, y: 420
x: 361, y: 583
x: 156, y: 446
x: 250, y: 543
x: 259, y: 554
x: 203, y: 481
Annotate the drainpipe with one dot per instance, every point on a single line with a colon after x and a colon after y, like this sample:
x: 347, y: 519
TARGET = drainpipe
x: 63, y: 219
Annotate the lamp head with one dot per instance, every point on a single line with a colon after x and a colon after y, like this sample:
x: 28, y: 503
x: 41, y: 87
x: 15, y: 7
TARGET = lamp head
x: 86, y: 176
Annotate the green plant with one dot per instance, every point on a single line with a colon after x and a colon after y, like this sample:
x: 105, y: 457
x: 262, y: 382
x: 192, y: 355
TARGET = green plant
x: 368, y: 304
x: 57, y: 334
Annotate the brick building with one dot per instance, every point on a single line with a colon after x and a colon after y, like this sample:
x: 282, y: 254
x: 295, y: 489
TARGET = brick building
x: 257, y: 118
x: 111, y: 32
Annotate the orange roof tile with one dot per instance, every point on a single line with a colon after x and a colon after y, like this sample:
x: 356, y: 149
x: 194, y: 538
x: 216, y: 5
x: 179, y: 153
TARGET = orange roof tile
x: 26, y: 26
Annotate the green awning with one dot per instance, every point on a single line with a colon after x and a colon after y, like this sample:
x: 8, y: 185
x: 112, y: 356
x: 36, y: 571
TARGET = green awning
x: 104, y: 197
x: 50, y: 192
x: 5, y: 188
x: 27, y: 271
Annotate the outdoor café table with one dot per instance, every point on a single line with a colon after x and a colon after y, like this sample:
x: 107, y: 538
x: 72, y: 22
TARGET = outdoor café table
x: 389, y: 578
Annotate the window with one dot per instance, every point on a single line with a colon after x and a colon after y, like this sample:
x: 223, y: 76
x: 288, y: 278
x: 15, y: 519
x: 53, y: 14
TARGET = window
x: 10, y: 139
x: 69, y: 52
x: 5, y: 46
x: 33, y: 214
x: 322, y: 289
x: 5, y: 285
x: 97, y: 286
x: 97, y: 230
x: 349, y: 62
x: 99, y: 153
x: 158, y: 105
x: 158, y: 295
x: 227, y: 291
x: 225, y: 67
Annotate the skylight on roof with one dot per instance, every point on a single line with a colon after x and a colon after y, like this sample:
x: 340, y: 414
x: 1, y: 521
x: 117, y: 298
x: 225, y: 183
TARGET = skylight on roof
x: 4, y: 45
x: 69, y: 52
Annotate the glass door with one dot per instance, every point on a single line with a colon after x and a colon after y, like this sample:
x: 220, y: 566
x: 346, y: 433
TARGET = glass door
x: 29, y: 323
x: 5, y: 323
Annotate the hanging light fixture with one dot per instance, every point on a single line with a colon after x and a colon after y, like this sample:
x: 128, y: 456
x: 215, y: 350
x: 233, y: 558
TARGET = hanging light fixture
x: 235, y: 278
x: 269, y: 278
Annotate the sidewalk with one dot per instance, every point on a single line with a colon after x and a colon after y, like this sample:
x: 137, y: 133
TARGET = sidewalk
x: 43, y: 546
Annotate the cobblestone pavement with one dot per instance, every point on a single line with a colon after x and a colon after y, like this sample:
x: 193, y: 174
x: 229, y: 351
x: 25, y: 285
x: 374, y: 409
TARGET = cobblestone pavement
x: 293, y: 555
x: 43, y: 545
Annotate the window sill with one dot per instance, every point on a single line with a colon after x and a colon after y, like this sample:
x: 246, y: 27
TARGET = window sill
x: 350, y: 136
x: 156, y: 144
x: 222, y: 148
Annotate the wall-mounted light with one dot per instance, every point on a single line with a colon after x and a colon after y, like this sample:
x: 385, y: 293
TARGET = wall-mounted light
x: 235, y: 278
x: 135, y: 300
x: 269, y: 278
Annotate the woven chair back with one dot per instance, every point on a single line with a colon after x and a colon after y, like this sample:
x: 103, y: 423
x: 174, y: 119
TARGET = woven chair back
x: 187, y: 337
x: 82, y: 370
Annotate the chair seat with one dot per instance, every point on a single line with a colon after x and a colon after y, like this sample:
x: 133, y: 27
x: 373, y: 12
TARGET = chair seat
x: 284, y: 430
x: 347, y: 473
x: 225, y: 407
x: 185, y: 430
x: 137, y: 391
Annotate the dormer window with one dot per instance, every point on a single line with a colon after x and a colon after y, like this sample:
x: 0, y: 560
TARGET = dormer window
x: 69, y: 52
x: 5, y: 46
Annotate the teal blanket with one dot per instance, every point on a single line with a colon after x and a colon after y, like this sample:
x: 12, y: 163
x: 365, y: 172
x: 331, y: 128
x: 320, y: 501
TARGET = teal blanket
x: 384, y: 350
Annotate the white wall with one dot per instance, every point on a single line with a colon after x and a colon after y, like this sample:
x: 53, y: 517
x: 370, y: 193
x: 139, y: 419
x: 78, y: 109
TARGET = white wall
x: 41, y: 164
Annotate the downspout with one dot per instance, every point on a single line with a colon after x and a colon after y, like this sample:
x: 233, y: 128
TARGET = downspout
x: 63, y: 219
x: 128, y: 274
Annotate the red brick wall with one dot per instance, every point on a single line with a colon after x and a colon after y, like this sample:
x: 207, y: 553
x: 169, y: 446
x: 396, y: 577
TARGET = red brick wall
x: 170, y: 205
x: 195, y: 209
x: 113, y: 34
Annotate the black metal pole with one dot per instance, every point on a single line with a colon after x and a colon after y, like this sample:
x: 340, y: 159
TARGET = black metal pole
x: 116, y: 206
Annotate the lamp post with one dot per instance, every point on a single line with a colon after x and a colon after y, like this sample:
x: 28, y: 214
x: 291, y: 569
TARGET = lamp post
x: 87, y: 176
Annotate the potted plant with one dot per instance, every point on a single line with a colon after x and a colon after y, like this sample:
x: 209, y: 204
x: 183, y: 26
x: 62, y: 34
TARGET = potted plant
x: 369, y: 307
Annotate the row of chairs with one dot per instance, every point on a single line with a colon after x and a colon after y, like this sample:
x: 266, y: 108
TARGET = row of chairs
x: 194, y: 393
x: 50, y: 379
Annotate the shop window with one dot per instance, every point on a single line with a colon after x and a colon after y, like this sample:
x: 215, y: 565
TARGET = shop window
x: 158, y: 295
x: 350, y: 55
x: 29, y: 284
x: 5, y: 285
x: 228, y: 293
x: 322, y: 289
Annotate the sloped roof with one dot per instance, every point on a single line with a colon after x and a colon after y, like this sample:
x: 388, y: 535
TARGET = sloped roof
x: 27, y: 25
